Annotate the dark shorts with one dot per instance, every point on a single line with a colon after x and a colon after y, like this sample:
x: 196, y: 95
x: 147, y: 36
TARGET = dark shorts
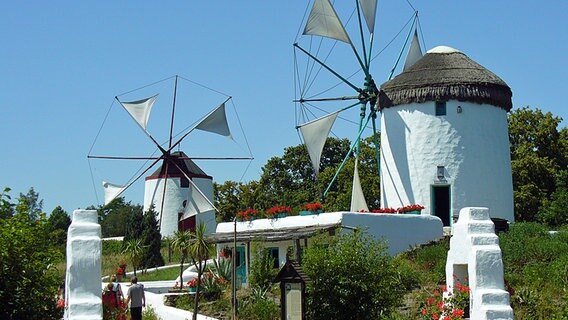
x: 136, y: 313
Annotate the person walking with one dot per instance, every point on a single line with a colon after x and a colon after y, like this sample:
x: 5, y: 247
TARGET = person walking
x: 136, y: 298
x: 116, y: 288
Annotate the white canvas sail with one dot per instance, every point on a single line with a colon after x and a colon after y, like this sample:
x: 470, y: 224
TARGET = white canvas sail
x: 111, y: 191
x: 369, y: 8
x: 140, y: 110
x: 216, y: 122
x: 323, y: 21
x: 414, y: 53
x: 314, y: 134
x: 197, y: 203
x: 358, y: 202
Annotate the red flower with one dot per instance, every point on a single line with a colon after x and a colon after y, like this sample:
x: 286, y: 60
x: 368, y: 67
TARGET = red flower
x: 410, y: 207
x: 192, y: 283
x: 457, y: 313
x: 274, y: 211
x: 247, y: 215
x: 60, y: 304
x: 384, y: 210
x: 313, y: 206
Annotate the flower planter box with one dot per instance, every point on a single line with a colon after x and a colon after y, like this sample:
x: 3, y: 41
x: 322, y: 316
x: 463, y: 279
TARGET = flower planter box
x: 412, y: 212
x: 192, y: 290
x: 309, y: 213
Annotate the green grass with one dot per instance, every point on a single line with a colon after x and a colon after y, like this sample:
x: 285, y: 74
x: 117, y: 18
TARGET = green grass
x: 161, y: 274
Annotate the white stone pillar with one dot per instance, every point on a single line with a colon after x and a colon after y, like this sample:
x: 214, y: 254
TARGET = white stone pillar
x: 475, y: 254
x: 83, y: 277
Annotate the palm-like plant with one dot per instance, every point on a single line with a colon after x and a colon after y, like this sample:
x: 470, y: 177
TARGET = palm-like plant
x: 181, y: 242
x: 134, y: 249
x: 199, y: 252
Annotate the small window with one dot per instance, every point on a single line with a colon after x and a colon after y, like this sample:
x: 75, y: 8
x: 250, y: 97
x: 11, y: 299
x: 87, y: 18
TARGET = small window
x: 273, y: 255
x: 440, y: 108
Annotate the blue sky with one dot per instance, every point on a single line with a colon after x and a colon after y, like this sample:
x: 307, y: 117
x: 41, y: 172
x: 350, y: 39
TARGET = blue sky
x: 62, y: 63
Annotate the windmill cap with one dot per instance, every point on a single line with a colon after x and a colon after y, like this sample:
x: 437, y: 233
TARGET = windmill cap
x: 443, y: 74
x: 443, y: 49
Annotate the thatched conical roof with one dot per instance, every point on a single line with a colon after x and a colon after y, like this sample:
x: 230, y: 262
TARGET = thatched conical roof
x: 445, y: 74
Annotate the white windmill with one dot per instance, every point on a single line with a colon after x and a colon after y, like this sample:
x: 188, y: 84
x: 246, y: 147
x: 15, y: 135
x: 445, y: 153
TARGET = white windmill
x: 322, y: 53
x: 179, y: 190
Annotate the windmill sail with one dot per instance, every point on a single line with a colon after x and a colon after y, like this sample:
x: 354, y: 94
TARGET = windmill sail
x: 196, y: 204
x: 369, y: 8
x: 216, y: 122
x: 414, y: 53
x: 323, y: 21
x: 140, y: 110
x: 314, y: 134
x: 111, y: 191
x: 358, y: 202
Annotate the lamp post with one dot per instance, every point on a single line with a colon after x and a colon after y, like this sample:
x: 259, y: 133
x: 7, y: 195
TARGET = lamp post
x: 234, y: 271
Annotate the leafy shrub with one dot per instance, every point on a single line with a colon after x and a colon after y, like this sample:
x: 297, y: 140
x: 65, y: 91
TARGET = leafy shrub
x: 150, y: 314
x: 262, y: 271
x: 213, y: 285
x: 536, y: 270
x: 259, y: 309
x: 352, y: 277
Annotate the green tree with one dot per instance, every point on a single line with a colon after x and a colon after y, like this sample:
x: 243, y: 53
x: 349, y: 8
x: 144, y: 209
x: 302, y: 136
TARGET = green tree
x: 6, y: 207
x: 232, y: 197
x: 58, y: 223
x: 352, y: 277
x: 180, y: 243
x: 199, y: 252
x: 134, y: 225
x: 553, y: 212
x: 339, y: 196
x: 538, y: 153
x: 30, y: 282
x: 114, y: 217
x: 151, y: 240
x: 30, y: 204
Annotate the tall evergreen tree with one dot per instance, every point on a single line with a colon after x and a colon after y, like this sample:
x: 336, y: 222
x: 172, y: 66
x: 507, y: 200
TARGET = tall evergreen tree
x: 58, y: 223
x: 30, y: 204
x: 134, y: 225
x: 151, y: 240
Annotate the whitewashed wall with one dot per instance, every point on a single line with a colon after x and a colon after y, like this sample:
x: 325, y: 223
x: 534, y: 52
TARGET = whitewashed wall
x: 473, y: 147
x: 83, y: 268
x: 400, y: 231
x: 175, y: 195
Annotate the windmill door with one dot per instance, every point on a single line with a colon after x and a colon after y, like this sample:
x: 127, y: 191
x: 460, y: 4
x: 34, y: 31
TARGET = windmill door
x: 441, y: 203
